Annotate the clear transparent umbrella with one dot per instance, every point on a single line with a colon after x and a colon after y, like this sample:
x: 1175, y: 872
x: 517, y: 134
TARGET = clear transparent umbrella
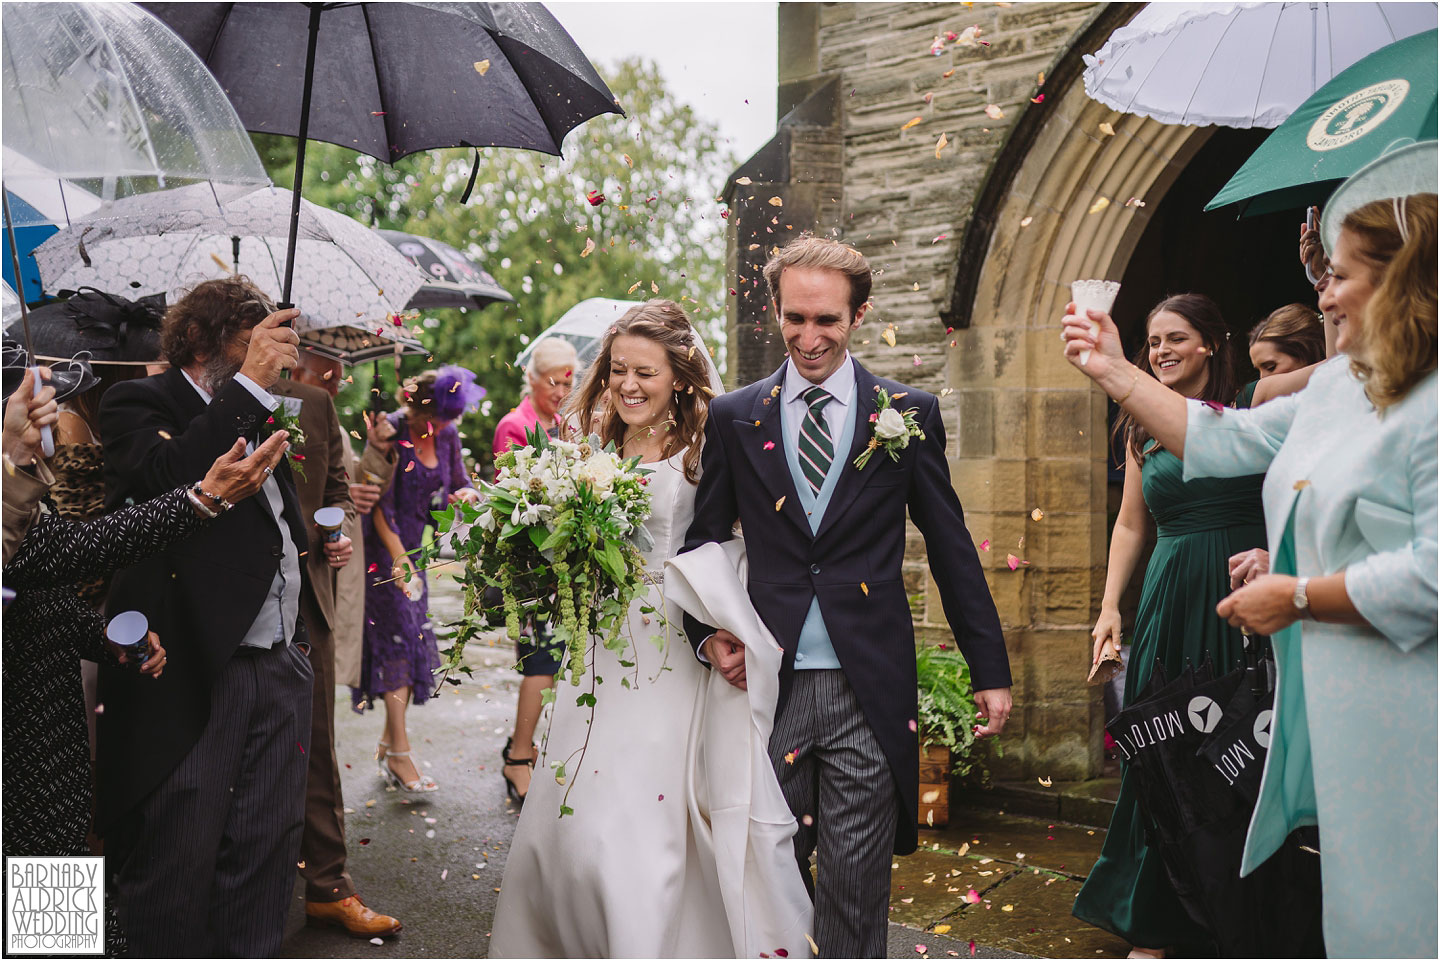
x: 106, y: 97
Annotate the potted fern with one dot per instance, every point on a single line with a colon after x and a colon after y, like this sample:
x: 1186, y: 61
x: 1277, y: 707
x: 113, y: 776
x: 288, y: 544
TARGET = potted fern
x: 946, y: 725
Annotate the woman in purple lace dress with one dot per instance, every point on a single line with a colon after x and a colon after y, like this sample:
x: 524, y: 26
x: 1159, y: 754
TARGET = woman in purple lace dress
x: 400, y: 655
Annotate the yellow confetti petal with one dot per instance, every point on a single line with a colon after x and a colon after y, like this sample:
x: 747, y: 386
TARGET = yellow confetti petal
x: 1036, y: 514
x: 1044, y: 781
x: 964, y: 850
x: 814, y: 948
x: 929, y: 797
x: 781, y: 502
x: 589, y: 247
x: 1107, y: 130
x: 356, y: 434
x: 775, y: 202
x: 1099, y: 205
x: 654, y: 287
x: 1300, y: 485
x: 482, y: 67
x: 940, y: 145
x: 744, y: 181
x: 948, y: 73
x: 946, y: 390
x: 1007, y: 907
x: 634, y: 287
x: 164, y: 434
x: 865, y: 587
x: 628, y: 161
x: 913, y: 122
x: 1027, y: 221
x: 994, y: 112
x: 888, y: 336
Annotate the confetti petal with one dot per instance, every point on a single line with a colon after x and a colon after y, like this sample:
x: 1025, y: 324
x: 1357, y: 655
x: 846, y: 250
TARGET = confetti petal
x: 948, y: 73
x: 1036, y: 514
x: 589, y: 247
x: 1044, y: 781
x: 941, y: 929
x: 595, y: 198
x: 929, y: 797
x: 912, y: 123
x: 940, y: 145
x: 888, y: 335
x: 1012, y: 561
x: 985, y: 544
x: 972, y: 896
x: 775, y: 202
x: 863, y: 586
x: 768, y: 445
x: 1107, y: 130
x: 482, y: 67
x: 994, y: 112
x: 744, y: 181
x: 1099, y: 205
x: 781, y: 502
x: 1027, y: 221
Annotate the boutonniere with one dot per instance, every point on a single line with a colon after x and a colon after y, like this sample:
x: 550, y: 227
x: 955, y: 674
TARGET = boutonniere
x: 890, y: 430
x: 283, y: 418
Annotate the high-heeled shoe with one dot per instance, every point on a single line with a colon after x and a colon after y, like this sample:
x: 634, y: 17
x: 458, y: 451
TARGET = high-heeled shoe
x: 423, y: 783
x: 510, y: 787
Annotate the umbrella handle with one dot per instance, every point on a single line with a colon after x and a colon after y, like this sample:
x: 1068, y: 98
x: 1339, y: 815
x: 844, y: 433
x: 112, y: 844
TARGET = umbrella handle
x: 47, y: 436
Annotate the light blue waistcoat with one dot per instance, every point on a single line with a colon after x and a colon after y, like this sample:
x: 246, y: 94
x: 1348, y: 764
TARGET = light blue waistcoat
x: 814, y: 651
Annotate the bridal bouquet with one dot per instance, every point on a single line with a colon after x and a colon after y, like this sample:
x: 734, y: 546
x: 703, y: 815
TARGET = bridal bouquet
x: 559, y: 533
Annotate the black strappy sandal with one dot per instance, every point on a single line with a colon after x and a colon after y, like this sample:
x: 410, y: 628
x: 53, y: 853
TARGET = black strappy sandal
x: 510, y: 787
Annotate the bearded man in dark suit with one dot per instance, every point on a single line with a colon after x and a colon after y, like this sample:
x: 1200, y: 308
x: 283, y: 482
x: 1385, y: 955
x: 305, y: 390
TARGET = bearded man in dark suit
x: 825, y: 537
x: 202, y: 773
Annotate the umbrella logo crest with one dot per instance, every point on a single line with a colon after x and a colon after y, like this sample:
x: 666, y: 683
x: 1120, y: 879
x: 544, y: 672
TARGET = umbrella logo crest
x: 1262, y: 728
x: 1204, y: 714
x: 1354, y: 116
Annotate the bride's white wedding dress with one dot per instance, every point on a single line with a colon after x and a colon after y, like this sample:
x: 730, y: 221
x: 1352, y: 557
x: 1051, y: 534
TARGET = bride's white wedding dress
x: 633, y: 872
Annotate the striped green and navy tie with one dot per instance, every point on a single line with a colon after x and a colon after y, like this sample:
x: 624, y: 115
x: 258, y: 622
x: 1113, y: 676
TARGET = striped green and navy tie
x: 817, y: 450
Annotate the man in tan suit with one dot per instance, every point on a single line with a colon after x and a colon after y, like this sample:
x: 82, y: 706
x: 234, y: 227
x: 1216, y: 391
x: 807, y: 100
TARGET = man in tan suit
x: 333, y: 611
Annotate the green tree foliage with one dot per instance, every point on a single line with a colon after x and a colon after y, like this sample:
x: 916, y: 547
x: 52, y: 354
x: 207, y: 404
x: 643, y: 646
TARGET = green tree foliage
x: 528, y: 221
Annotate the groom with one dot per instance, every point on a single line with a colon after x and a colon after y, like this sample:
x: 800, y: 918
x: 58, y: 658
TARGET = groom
x: 825, y: 540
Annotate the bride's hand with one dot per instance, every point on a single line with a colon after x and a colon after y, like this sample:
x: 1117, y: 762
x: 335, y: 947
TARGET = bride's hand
x: 726, y: 654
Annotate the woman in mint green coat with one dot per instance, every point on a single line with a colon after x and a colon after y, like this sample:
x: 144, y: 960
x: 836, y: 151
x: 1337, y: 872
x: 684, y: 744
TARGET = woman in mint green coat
x: 1350, y: 506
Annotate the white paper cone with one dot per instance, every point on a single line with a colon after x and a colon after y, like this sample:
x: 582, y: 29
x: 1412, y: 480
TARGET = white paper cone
x: 1093, y: 295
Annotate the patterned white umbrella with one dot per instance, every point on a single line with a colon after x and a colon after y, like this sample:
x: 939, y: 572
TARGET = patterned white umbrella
x: 345, y: 274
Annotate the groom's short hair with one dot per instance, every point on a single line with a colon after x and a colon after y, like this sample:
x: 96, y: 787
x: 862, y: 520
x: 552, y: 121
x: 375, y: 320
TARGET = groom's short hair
x: 821, y: 253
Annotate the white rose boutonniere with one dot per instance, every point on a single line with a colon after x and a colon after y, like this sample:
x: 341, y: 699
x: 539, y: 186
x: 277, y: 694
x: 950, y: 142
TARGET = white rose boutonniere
x: 890, y: 430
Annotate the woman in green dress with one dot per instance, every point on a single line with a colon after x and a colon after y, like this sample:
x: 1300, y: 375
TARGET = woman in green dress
x: 1199, y: 525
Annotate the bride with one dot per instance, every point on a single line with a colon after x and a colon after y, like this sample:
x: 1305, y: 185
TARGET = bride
x: 636, y: 870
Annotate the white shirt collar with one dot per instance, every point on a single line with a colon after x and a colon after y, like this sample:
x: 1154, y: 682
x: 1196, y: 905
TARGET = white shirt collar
x: 204, y: 394
x: 840, y: 384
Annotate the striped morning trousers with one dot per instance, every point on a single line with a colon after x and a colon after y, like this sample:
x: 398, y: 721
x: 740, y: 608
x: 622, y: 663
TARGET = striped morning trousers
x: 839, y: 778
x: 207, y: 859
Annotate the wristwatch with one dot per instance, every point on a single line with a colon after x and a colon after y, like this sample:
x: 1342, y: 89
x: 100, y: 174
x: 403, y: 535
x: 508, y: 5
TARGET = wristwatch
x: 1299, y: 598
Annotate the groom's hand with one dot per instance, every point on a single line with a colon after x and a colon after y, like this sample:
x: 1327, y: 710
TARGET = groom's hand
x: 993, y: 707
x: 727, y: 655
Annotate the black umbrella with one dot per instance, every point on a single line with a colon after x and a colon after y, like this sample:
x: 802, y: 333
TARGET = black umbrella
x: 1197, y: 818
x: 392, y: 79
x: 455, y: 279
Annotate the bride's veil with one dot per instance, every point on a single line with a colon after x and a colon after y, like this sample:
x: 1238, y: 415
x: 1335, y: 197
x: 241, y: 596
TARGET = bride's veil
x: 717, y: 386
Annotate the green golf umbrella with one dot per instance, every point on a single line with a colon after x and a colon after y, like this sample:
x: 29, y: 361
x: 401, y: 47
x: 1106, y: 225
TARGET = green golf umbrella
x: 1385, y: 99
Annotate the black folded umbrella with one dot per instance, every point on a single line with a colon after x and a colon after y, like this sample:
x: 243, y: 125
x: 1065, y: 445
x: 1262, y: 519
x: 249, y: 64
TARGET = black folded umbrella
x: 1197, y: 819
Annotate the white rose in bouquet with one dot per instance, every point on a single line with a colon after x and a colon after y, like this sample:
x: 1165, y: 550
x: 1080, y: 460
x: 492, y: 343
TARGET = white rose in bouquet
x: 599, y: 471
x: 890, y: 425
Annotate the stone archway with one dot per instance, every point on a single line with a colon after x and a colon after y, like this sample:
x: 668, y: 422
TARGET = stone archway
x: 1032, y: 431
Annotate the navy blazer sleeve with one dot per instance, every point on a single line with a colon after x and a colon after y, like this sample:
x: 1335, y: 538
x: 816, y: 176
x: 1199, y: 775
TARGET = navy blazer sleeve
x: 954, y: 562
x: 715, y: 509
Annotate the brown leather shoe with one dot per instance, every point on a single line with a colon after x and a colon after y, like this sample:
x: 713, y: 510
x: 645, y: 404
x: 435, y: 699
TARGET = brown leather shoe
x: 352, y: 915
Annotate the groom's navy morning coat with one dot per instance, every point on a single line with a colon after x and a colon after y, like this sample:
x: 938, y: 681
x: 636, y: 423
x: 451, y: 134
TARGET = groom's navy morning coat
x: 861, y: 540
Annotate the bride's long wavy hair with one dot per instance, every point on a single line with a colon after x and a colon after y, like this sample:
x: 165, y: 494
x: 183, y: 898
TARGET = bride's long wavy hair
x: 664, y: 322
